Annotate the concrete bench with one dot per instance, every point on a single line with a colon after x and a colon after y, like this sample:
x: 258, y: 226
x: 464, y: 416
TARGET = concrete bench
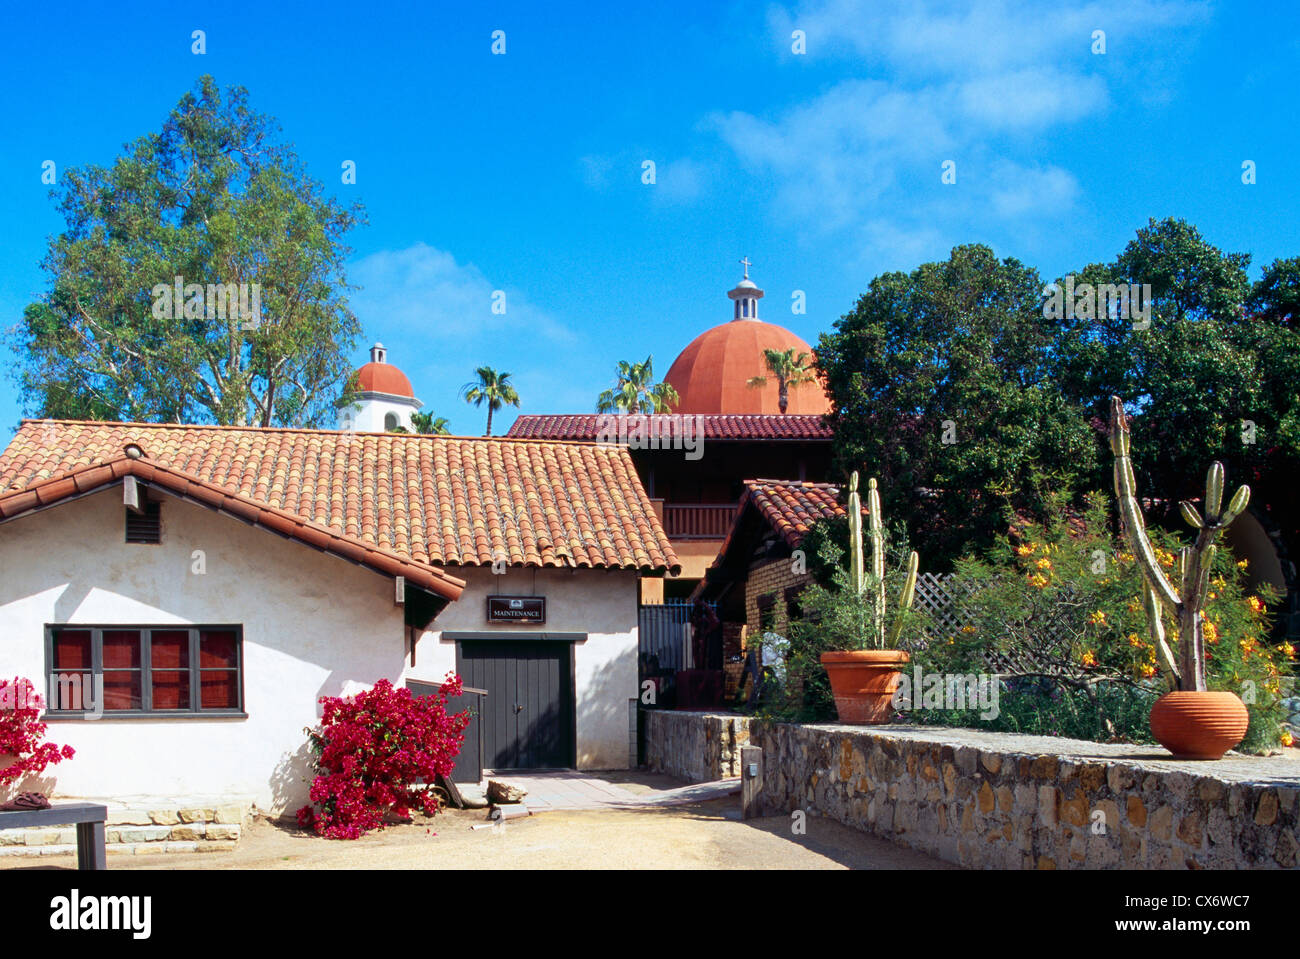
x: 88, y: 817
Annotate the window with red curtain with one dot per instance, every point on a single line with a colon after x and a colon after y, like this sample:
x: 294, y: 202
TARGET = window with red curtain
x: 144, y: 670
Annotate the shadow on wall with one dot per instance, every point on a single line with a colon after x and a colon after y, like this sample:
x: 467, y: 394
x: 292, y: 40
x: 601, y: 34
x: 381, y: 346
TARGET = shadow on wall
x: 609, y: 706
x: 291, y: 781
x: 43, y: 783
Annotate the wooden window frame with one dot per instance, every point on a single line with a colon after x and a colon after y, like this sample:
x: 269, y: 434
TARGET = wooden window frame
x: 194, y: 711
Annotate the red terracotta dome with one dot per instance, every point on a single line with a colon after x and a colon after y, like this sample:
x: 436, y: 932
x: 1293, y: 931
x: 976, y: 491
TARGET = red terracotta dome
x: 379, y: 376
x: 712, y: 374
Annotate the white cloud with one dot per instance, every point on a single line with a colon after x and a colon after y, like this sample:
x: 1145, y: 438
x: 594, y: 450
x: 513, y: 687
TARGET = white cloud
x: 435, y: 316
x: 983, y: 84
x: 423, y: 289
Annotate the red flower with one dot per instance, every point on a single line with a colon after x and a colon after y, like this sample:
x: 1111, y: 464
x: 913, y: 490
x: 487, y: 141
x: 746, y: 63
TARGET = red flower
x: 21, y: 732
x: 374, y: 750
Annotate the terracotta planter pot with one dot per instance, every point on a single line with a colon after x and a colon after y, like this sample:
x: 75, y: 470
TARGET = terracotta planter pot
x: 863, y: 682
x: 1194, y: 725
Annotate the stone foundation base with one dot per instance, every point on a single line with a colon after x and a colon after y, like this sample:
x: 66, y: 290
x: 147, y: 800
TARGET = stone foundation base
x: 144, y: 826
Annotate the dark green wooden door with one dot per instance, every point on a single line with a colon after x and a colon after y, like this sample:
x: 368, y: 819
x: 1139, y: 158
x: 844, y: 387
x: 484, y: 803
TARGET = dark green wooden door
x: 528, y: 720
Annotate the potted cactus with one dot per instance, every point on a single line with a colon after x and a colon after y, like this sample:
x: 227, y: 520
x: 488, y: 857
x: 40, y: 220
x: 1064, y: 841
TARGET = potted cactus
x: 863, y: 679
x: 1191, y: 721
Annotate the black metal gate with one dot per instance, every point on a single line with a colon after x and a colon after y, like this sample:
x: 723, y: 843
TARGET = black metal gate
x: 530, y: 717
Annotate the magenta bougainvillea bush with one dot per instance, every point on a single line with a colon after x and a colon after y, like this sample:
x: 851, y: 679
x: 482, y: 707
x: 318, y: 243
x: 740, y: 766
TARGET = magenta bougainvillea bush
x: 22, y: 734
x: 372, y: 752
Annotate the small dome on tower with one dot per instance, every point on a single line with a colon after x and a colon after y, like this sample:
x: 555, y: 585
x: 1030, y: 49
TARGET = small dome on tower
x: 712, y: 374
x: 379, y: 376
x: 385, y: 399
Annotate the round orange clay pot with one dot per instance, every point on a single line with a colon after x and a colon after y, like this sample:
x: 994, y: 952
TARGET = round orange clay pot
x: 863, y: 682
x: 1199, y: 725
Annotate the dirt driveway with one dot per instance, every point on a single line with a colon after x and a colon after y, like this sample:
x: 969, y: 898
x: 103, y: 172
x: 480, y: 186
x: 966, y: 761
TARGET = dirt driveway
x: 708, y: 835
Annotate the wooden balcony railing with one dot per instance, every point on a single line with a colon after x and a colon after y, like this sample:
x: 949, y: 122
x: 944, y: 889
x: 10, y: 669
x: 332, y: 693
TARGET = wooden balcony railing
x: 698, y: 520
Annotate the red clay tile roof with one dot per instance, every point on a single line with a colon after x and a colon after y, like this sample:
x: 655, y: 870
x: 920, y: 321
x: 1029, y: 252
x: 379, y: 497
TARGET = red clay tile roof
x: 717, y: 426
x: 788, y: 507
x: 791, y: 507
x: 86, y: 479
x: 435, y: 500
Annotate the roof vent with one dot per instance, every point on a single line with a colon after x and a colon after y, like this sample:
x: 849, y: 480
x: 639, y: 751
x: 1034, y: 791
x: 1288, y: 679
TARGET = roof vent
x: 133, y: 451
x: 378, y: 354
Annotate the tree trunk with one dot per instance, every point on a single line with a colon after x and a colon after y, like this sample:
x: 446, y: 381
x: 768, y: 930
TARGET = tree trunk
x: 785, y: 394
x: 489, y: 422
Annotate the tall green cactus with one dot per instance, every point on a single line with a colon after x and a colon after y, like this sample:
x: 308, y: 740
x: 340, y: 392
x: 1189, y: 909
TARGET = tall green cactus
x: 1187, y: 671
x: 857, y: 573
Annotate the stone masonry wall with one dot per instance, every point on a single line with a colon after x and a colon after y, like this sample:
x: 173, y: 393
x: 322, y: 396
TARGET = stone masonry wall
x: 142, y: 828
x: 1002, y: 801
x: 696, y: 747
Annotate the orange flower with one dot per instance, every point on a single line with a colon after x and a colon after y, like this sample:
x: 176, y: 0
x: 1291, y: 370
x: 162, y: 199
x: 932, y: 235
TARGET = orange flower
x: 1089, y: 659
x: 1146, y: 671
x: 1255, y: 605
x: 1287, y: 738
x: 1097, y: 618
x: 1134, y: 640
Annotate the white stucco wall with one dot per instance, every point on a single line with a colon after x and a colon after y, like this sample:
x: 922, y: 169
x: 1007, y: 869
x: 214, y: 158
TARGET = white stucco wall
x: 600, y: 603
x: 367, y: 415
x: 314, y: 625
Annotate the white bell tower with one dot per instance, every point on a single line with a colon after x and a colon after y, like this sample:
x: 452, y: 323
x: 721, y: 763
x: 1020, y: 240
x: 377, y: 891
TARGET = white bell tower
x: 385, y: 399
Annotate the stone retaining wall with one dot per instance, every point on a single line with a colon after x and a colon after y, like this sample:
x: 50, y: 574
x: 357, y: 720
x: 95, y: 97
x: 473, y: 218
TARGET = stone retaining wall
x: 143, y: 827
x: 697, y: 747
x: 1002, y: 801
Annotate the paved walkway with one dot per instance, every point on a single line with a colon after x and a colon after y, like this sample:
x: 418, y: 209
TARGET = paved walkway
x: 569, y: 789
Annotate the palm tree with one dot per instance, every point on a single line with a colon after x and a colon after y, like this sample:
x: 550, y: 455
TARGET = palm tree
x: 492, y: 388
x: 789, y: 370
x: 636, y: 392
x: 426, y: 424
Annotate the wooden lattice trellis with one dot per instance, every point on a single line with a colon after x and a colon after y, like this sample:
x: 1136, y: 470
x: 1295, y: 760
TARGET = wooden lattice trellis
x: 940, y: 596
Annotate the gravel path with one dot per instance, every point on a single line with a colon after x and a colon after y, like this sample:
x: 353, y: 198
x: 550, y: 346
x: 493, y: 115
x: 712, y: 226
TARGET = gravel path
x: 708, y: 835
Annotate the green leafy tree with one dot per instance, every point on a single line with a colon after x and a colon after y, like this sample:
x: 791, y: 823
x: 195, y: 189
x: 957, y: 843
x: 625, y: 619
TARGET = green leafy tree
x: 216, y: 199
x: 1209, y: 373
x: 1276, y: 297
x: 636, y: 391
x: 790, y: 371
x: 492, y: 389
x: 943, y: 386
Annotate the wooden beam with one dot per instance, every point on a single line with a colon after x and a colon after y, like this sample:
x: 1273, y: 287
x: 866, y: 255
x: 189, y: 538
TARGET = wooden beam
x: 131, y: 494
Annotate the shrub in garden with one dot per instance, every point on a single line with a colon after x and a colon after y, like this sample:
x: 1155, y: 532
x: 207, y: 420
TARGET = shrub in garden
x: 1056, y: 610
x: 374, y: 751
x: 22, y: 734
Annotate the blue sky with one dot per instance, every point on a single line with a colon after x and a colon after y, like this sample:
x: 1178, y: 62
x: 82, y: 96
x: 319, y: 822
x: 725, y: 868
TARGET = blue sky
x: 523, y: 172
